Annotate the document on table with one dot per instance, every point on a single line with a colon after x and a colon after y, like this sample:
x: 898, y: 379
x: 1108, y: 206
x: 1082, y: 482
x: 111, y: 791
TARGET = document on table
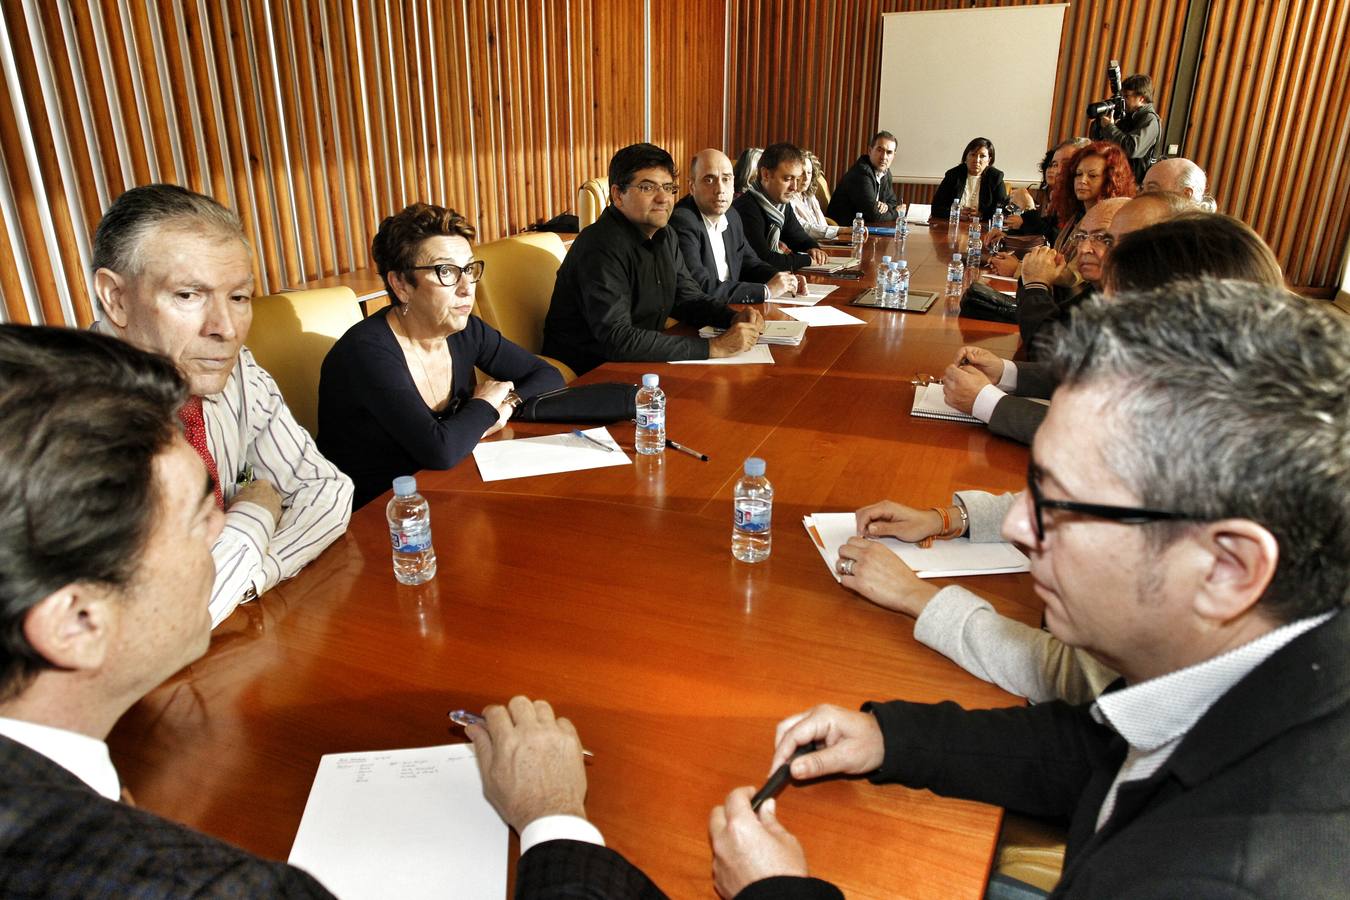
x: 816, y: 316
x: 776, y: 331
x: 945, y: 559
x: 832, y: 264
x: 929, y: 404
x: 756, y: 355
x: 521, y: 458
x: 814, y: 294
x: 402, y: 823
x: 919, y: 213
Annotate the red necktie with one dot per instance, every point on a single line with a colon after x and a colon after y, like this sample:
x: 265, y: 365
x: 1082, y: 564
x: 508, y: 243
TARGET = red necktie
x: 194, y: 429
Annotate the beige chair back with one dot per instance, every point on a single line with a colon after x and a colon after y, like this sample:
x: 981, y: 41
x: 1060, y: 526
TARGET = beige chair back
x: 291, y: 334
x: 592, y: 199
x: 517, y: 287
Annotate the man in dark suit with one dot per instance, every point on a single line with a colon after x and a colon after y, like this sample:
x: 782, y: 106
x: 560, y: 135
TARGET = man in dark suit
x: 866, y: 187
x: 1188, y: 525
x: 107, y: 516
x: 713, y: 242
x: 767, y: 215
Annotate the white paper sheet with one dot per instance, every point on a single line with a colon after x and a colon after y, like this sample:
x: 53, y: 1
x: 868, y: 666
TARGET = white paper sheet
x: 945, y: 559
x: 814, y: 294
x: 499, y: 460
x: 816, y: 316
x: 919, y: 213
x: 409, y: 824
x: 756, y: 355
x: 832, y: 264
x: 776, y: 331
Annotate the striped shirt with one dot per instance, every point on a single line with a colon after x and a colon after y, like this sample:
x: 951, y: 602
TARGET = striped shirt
x: 248, y: 425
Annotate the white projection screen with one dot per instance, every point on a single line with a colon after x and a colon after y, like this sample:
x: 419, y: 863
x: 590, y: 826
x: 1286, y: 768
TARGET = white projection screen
x: 951, y: 75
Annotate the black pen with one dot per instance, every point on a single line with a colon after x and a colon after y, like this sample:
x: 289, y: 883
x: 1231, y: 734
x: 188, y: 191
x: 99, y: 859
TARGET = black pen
x: 780, y: 777
x: 683, y: 449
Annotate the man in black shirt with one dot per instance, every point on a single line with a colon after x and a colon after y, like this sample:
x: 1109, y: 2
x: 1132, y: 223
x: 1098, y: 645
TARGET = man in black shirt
x: 768, y: 217
x: 1139, y: 132
x: 624, y: 276
x: 866, y: 188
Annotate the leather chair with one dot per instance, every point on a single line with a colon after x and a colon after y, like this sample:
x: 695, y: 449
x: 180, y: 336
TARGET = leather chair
x: 822, y: 188
x: 592, y: 199
x: 517, y: 286
x: 291, y: 334
x: 1030, y: 850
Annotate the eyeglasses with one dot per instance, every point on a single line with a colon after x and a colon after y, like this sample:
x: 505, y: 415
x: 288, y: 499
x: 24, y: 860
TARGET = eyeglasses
x: 1125, y: 515
x: 647, y: 188
x: 448, y: 274
x: 1100, y: 238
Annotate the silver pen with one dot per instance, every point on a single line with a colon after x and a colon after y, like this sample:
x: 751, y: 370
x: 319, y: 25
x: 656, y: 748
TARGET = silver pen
x: 465, y: 718
x: 586, y: 437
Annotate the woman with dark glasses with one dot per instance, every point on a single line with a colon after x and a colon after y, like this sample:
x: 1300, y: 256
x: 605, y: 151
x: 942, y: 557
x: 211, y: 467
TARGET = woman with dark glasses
x: 397, y: 392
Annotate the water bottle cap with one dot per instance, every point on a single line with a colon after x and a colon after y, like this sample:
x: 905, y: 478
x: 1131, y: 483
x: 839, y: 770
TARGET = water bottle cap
x: 405, y: 486
x: 754, y: 467
x: 651, y: 381
x: 956, y: 257
x: 902, y: 264
x: 885, y: 259
x: 893, y: 266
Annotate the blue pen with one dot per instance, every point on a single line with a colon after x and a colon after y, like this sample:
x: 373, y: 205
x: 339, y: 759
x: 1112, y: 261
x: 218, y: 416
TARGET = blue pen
x: 586, y: 437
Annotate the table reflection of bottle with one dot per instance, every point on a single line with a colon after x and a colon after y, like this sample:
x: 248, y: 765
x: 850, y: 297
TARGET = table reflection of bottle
x: 423, y: 604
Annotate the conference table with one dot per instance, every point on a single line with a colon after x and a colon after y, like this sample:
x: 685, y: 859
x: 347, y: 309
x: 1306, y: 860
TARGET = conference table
x: 613, y: 594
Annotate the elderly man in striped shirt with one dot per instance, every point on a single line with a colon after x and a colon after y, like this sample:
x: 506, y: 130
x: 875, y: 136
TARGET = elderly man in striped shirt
x: 173, y: 274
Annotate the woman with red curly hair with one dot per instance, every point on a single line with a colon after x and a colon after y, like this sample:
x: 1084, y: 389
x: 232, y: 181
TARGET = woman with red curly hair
x: 1097, y: 171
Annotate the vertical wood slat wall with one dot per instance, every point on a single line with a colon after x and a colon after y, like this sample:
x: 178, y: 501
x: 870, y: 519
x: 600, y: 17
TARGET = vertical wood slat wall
x: 316, y: 118
x: 1269, y: 120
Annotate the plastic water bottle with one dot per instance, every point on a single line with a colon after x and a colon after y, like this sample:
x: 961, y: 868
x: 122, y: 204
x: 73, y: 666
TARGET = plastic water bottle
x: 889, y: 291
x: 881, y: 275
x: 902, y: 220
x: 858, y: 235
x: 956, y: 276
x: 410, y: 532
x: 996, y: 222
x: 974, y: 249
x: 752, y: 520
x: 901, y: 284
x: 650, y: 435
x: 956, y: 210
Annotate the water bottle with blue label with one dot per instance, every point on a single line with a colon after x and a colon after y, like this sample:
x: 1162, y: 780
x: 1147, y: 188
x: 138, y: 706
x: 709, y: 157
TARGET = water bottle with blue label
x: 974, y: 250
x: 996, y: 222
x: 901, y: 283
x: 956, y: 276
x: 889, y: 292
x: 649, y: 438
x: 752, y: 517
x: 881, y: 275
x: 858, y: 235
x: 409, y: 518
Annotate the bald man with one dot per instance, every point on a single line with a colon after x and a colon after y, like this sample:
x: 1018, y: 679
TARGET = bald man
x: 1180, y: 176
x: 1006, y: 395
x: 713, y: 242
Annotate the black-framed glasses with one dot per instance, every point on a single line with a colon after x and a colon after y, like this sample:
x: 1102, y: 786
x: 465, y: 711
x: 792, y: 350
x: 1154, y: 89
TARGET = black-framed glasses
x: 651, y: 187
x: 449, y: 274
x: 1100, y: 238
x: 1125, y: 515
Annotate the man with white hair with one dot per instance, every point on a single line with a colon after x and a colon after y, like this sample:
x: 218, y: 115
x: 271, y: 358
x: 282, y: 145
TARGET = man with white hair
x: 1176, y: 175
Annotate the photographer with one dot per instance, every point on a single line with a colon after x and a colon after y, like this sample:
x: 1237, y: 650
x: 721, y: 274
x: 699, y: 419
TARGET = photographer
x: 1139, y: 130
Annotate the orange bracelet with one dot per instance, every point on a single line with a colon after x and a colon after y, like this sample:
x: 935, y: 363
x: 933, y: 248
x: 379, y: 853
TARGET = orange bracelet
x: 942, y: 532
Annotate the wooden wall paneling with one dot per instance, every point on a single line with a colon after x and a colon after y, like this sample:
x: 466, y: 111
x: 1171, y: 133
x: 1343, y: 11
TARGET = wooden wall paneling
x: 178, y: 82
x: 287, y: 128
x: 399, y: 112
x: 310, y: 173
x: 60, y: 60
x: 198, y: 40
x: 350, y: 100
x: 40, y: 133
x: 152, y: 94
x: 332, y: 142
x: 432, y: 102
x: 11, y: 287
x: 372, y: 85
x: 276, y: 187
x: 484, y: 110
x: 119, y: 57
x: 456, y: 126
x: 96, y: 95
x: 687, y: 82
x: 238, y: 151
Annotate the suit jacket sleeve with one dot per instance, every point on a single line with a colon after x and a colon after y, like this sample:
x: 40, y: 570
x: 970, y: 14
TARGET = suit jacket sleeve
x: 576, y: 870
x: 794, y: 235
x: 1036, y: 760
x: 993, y: 187
x: 886, y: 194
x: 752, y: 267
x: 692, y: 305
x: 1017, y: 418
x: 947, y: 191
x: 1036, y: 307
x: 1033, y: 380
x: 692, y: 234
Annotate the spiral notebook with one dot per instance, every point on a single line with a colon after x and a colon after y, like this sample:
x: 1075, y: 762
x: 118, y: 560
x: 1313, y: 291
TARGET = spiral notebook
x: 928, y: 404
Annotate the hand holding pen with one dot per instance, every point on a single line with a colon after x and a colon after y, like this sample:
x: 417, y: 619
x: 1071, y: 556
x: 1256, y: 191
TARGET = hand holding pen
x: 850, y: 743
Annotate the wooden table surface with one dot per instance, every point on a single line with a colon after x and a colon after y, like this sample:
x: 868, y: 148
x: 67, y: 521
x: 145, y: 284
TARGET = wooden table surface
x: 613, y: 594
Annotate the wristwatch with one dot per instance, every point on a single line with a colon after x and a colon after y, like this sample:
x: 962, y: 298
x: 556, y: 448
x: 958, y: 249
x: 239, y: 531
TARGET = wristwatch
x: 514, y: 400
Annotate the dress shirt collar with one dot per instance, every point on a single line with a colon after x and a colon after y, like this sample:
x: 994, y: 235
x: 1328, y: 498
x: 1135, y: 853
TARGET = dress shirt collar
x: 1159, y: 711
x: 82, y: 756
x: 714, y: 226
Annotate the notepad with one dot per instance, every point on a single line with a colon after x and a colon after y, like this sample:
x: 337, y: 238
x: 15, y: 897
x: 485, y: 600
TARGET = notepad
x: 776, y: 331
x: 832, y: 264
x: 547, y: 455
x: 919, y: 213
x: 814, y: 294
x: 816, y: 316
x: 928, y: 404
x: 945, y: 559
x: 756, y: 355
x: 402, y: 823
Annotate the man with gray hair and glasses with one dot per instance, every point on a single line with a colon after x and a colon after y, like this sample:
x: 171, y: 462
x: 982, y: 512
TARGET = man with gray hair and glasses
x: 1188, y: 523
x: 1178, y: 175
x: 173, y: 274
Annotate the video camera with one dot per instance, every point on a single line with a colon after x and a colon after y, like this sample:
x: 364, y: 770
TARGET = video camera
x: 1115, y: 104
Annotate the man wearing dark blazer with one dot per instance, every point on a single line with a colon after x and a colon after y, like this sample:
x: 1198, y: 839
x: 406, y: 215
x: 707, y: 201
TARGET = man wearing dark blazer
x: 713, y: 242
x: 105, y: 594
x: 866, y: 187
x: 768, y: 217
x: 1191, y: 531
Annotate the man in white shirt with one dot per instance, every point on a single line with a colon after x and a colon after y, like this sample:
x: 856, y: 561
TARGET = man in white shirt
x: 107, y: 519
x: 1188, y: 523
x: 173, y: 274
